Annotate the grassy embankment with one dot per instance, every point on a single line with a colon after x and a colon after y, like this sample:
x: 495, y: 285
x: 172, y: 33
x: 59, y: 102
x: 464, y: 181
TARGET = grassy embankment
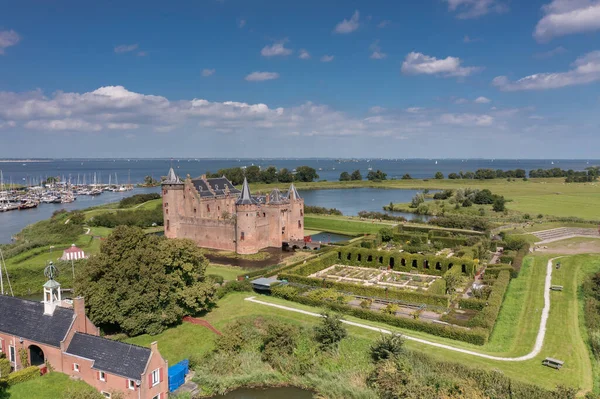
x: 49, y: 386
x: 513, y: 336
x: 546, y: 196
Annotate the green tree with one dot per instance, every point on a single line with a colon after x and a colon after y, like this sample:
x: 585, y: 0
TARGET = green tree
x: 376, y: 175
x: 142, y: 283
x: 356, y: 175
x: 406, y: 176
x: 499, y: 204
x: 269, y: 175
x: 330, y: 331
x: 453, y: 176
x: 386, y: 234
x: 417, y: 200
x: 387, y: 347
x: 439, y: 175
x: 345, y: 176
x: 306, y: 174
x: 484, y: 196
x: 453, y: 281
x: 285, y: 176
x: 252, y: 173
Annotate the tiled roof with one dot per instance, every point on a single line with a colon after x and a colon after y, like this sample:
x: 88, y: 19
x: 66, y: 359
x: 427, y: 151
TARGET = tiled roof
x: 113, y: 357
x: 26, y: 319
x: 246, y: 198
x: 293, y: 193
x: 214, y: 187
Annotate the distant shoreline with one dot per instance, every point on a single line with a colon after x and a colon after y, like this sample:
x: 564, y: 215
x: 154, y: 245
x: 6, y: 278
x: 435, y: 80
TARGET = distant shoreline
x: 23, y: 160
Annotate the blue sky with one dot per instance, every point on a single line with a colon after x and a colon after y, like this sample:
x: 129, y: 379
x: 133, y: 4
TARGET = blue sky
x: 259, y: 78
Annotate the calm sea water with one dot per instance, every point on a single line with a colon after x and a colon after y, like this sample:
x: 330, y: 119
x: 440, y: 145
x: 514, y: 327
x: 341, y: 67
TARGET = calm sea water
x: 134, y: 170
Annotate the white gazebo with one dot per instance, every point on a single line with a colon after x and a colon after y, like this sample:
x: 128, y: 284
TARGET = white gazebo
x: 73, y: 253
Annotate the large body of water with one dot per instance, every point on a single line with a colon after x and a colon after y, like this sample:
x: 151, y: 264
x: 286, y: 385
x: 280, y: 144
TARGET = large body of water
x: 134, y: 170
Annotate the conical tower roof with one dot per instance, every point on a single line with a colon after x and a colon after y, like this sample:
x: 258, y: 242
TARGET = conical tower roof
x: 245, y: 198
x: 172, y: 178
x: 293, y: 193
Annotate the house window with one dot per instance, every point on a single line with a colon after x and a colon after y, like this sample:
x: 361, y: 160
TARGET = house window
x: 156, y: 397
x: 242, y: 236
x: 155, y: 377
x: 105, y: 394
x: 102, y: 376
x: 76, y: 367
x: 12, y: 354
x: 131, y: 385
x: 1, y: 345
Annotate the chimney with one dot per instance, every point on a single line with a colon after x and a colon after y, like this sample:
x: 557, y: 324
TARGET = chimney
x: 154, y: 347
x: 203, y: 177
x: 79, y: 310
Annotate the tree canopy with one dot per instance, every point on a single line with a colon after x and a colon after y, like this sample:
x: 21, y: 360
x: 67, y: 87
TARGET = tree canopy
x: 356, y: 175
x: 306, y: 174
x: 142, y: 283
x: 345, y: 176
x: 378, y: 175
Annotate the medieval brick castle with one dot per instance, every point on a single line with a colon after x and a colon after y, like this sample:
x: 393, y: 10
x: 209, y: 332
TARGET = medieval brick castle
x: 215, y: 214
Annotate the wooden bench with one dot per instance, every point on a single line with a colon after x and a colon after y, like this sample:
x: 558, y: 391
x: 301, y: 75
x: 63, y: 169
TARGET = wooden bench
x: 554, y: 363
x: 556, y: 287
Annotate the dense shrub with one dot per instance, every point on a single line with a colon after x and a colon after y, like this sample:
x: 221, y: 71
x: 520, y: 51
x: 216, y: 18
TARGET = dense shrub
x: 388, y: 346
x: 461, y: 222
x: 330, y: 331
x: 138, y: 218
x: 4, y: 367
x: 381, y: 216
x: 319, y: 210
x: 487, y: 317
x: 471, y: 303
x: 26, y: 374
x: 138, y: 199
x: 234, y: 286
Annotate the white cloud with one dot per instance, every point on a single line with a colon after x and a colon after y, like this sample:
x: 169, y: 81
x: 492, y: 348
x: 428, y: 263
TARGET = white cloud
x: 467, y: 119
x: 348, y: 25
x: 476, y: 8
x: 376, y: 52
x: 304, y: 55
x: 384, y: 23
x: 142, y: 53
x: 125, y: 48
x: 8, y: 38
x: 276, y: 49
x: 469, y: 39
x: 206, y: 72
x: 327, y: 58
x: 241, y: 23
x: 586, y: 69
x: 377, y: 109
x: 419, y: 63
x: 566, y: 17
x: 550, y: 53
x: 482, y: 100
x: 117, y: 111
x: 460, y: 101
x: 261, y: 76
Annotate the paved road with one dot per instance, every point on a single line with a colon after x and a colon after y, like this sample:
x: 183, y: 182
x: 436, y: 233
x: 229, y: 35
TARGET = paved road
x: 539, y: 341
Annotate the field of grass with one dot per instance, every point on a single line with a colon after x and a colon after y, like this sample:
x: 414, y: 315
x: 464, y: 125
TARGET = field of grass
x: 342, y: 225
x: 227, y: 272
x: 514, y: 335
x: 50, y: 386
x: 535, y: 196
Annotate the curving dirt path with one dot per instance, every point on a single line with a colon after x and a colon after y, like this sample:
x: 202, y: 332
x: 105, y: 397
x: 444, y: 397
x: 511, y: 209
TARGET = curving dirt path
x: 539, y: 341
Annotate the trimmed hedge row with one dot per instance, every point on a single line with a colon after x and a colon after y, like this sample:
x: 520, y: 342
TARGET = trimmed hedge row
x: 26, y: 374
x: 404, y: 262
x: 471, y: 303
x: 438, y: 287
x: 475, y: 336
x: 371, y: 291
x: 494, y: 270
x: 486, y: 318
x: 432, y: 229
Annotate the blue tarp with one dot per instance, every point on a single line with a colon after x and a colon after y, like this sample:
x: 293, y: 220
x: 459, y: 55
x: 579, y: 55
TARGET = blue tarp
x: 177, y: 374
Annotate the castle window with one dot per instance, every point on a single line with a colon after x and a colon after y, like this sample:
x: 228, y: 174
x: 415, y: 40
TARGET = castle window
x: 194, y: 210
x: 299, y: 224
x: 167, y: 211
x: 301, y: 212
x: 166, y: 204
x: 242, y: 236
x: 218, y: 208
x: 208, y: 208
x: 168, y: 225
x: 264, y: 215
x: 165, y: 191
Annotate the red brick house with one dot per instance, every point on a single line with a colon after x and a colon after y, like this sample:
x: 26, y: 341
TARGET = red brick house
x: 60, y: 334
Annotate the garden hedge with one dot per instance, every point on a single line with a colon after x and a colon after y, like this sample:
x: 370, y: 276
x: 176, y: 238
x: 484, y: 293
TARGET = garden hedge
x: 475, y: 336
x: 471, y: 303
x: 371, y: 291
x: 486, y: 318
x: 26, y: 374
x: 403, y: 261
x: 428, y: 229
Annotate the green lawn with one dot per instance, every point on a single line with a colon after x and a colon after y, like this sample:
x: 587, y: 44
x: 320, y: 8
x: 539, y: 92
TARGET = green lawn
x: 227, y: 272
x: 535, y: 196
x: 49, y: 386
x: 515, y: 334
x: 342, y: 225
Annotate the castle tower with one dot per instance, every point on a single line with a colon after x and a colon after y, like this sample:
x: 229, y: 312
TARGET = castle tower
x: 51, y: 290
x: 247, y: 240
x: 295, y: 219
x: 172, y: 188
